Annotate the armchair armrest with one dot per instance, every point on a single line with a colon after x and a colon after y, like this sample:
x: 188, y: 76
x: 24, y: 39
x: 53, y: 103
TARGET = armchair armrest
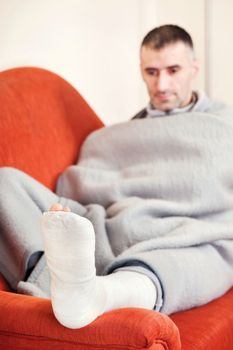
x: 28, y: 323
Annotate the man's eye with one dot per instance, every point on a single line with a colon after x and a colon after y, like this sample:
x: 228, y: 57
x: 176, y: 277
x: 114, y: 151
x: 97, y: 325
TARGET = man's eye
x: 151, y: 72
x: 173, y: 70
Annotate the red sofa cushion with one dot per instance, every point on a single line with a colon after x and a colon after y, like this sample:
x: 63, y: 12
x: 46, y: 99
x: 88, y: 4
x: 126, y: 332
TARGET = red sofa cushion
x: 209, y: 327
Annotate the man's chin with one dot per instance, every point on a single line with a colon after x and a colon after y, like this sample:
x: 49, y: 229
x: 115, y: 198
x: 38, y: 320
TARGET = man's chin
x: 165, y: 106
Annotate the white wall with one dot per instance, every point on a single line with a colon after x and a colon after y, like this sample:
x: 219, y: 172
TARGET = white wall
x: 221, y: 50
x: 94, y: 44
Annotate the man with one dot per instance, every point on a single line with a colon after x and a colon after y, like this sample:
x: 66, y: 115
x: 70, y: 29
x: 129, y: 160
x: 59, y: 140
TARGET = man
x: 168, y: 67
x: 151, y: 201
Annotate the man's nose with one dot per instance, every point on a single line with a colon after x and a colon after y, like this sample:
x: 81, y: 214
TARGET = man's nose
x: 163, y: 81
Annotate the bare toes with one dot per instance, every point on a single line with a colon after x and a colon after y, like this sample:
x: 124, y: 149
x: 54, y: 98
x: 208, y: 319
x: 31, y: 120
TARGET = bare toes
x: 56, y: 207
x: 66, y: 209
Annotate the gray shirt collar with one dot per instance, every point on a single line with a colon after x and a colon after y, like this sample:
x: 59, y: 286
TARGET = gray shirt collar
x: 197, y: 97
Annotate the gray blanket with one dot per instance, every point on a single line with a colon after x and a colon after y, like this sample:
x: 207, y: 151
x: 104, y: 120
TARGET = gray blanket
x: 165, y: 190
x: 160, y: 195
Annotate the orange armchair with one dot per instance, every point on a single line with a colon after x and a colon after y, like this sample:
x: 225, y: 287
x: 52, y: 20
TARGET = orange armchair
x: 43, y: 121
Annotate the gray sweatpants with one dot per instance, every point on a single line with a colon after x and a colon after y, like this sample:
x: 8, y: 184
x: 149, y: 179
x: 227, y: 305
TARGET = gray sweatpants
x: 22, y: 262
x: 22, y: 201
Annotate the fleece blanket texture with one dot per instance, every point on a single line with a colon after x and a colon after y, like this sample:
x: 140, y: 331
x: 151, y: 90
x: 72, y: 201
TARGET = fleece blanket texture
x: 159, y: 192
x: 166, y: 186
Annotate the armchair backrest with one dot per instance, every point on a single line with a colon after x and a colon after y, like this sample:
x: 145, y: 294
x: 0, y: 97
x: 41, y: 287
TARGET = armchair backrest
x: 43, y: 122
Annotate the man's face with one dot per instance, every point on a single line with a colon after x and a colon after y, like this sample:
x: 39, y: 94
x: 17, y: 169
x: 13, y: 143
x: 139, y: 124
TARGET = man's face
x: 169, y: 73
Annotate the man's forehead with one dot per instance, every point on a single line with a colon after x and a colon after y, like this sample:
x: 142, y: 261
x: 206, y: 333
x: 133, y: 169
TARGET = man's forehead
x: 169, y: 55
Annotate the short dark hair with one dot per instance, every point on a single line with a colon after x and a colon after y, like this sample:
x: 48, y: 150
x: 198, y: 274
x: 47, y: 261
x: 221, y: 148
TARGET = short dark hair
x: 166, y: 34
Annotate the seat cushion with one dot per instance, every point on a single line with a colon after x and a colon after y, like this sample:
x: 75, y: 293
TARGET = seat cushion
x: 209, y: 327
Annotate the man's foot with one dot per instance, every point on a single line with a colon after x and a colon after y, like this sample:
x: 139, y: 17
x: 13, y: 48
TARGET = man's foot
x: 69, y: 242
x: 78, y: 295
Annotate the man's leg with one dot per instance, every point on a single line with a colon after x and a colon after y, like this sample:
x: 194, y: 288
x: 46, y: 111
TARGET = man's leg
x: 78, y: 295
x: 22, y: 201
